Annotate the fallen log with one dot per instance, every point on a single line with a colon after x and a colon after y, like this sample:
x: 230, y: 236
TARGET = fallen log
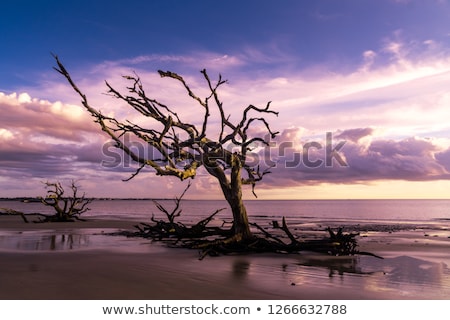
x: 7, y: 211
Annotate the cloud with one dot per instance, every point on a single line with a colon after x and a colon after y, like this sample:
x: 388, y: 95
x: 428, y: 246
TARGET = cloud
x: 299, y: 160
x: 443, y: 158
x: 410, y: 159
x: 356, y: 134
x: 181, y: 63
x: 43, y: 139
x: 36, y: 118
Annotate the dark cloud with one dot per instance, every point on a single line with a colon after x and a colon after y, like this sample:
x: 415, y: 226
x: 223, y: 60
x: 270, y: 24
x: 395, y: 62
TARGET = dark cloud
x: 443, y: 158
x: 409, y: 159
x: 407, y: 147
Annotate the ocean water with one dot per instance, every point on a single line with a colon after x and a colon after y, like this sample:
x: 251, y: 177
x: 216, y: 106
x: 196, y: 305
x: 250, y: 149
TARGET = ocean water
x: 262, y: 210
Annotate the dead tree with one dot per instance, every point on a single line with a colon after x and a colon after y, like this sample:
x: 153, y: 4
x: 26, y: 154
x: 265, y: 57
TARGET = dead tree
x: 175, y: 229
x: 67, y: 208
x: 182, y: 147
x: 176, y: 211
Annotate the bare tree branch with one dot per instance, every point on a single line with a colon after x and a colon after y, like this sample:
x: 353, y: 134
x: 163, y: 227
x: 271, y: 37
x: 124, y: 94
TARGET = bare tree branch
x: 183, y: 148
x: 66, y: 207
x: 176, y: 211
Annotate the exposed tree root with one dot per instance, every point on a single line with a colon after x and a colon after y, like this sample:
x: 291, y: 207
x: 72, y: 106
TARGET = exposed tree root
x: 55, y: 218
x: 7, y: 211
x: 215, y: 241
x: 41, y: 218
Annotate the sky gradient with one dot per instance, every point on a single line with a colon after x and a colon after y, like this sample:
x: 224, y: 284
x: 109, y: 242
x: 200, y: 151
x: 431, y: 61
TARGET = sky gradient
x: 372, y: 75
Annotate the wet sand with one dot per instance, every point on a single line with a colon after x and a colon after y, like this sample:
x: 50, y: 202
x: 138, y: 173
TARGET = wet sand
x: 79, y: 261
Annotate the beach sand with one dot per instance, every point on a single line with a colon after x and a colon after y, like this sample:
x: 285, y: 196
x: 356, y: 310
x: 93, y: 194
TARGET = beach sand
x: 78, y: 260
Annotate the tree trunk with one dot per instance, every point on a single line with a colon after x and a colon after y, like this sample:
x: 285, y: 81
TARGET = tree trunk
x: 240, y: 219
x: 232, y: 191
x: 234, y: 198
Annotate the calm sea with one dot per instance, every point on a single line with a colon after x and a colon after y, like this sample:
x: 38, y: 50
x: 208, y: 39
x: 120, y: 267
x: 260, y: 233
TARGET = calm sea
x: 193, y: 210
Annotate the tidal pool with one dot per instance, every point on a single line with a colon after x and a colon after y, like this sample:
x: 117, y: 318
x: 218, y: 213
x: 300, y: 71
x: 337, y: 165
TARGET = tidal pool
x: 66, y: 240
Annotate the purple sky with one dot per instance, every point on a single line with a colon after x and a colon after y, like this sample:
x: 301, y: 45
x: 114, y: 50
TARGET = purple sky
x: 373, y: 75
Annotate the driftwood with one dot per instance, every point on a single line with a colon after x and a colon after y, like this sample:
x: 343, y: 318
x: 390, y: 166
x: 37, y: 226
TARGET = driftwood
x: 7, y: 211
x: 41, y: 217
x: 171, y: 231
x: 337, y: 244
x: 214, y: 241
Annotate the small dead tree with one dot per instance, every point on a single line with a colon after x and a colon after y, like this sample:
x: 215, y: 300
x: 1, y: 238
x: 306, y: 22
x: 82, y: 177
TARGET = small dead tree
x: 182, y: 147
x: 67, y: 208
x: 176, y: 211
x: 174, y: 231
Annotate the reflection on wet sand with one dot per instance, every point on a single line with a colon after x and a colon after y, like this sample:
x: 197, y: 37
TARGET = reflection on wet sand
x: 341, y: 266
x: 32, y: 241
x: 52, y: 240
x: 402, y: 276
x: 411, y: 276
x: 240, y: 269
x: 397, y: 277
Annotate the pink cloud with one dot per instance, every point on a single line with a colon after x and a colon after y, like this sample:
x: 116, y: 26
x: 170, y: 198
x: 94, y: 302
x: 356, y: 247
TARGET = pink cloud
x: 44, y: 139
